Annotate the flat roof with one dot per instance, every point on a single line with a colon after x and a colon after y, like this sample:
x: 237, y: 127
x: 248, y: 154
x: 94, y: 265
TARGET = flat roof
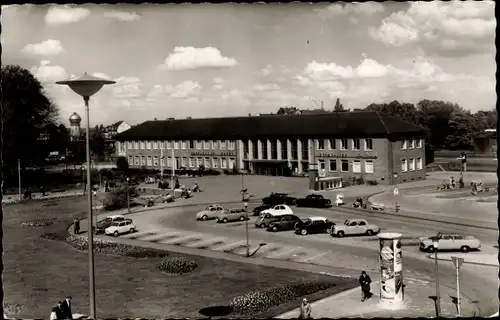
x: 357, y: 124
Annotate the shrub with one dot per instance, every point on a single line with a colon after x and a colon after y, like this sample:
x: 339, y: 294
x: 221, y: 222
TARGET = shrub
x: 177, y: 266
x: 117, y: 198
x: 372, y: 182
x: 259, y: 301
x: 38, y: 223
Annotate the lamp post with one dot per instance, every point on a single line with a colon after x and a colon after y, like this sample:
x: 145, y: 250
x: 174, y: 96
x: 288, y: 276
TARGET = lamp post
x: 396, y: 192
x: 86, y: 86
x: 435, y: 245
x: 246, y: 227
x: 128, y: 196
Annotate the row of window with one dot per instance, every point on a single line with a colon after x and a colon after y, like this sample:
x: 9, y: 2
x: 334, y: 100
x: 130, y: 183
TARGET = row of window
x: 180, y: 144
x: 191, y: 162
x: 344, y: 144
x: 346, y: 165
x: 411, y: 164
x: 411, y: 143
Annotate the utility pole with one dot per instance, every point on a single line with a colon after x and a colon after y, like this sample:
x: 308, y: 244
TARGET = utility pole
x: 457, y: 262
x: 19, y: 178
x: 161, y: 164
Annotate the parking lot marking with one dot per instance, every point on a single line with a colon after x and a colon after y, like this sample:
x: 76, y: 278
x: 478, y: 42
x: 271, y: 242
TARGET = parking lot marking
x: 206, y: 243
x: 180, y: 240
x: 314, y: 257
x: 160, y: 236
x: 226, y: 247
x: 139, y: 234
x: 280, y: 254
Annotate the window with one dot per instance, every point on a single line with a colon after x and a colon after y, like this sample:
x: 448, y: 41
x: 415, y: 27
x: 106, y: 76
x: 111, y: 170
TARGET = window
x: 321, y: 165
x: 321, y: 144
x: 284, y: 148
x: 130, y: 159
x: 215, y: 145
x: 232, y: 163
x: 184, y: 162
x: 419, y: 163
x: 199, y: 161
x: 155, y: 161
x: 264, y: 148
x: 206, y: 144
x: 136, y: 145
x: 353, y: 224
x: 148, y: 145
x: 184, y: 144
x: 246, y: 149
x: 305, y: 149
x: 169, y: 144
x: 130, y: 145
x: 368, y: 144
x: 191, y: 162
x: 198, y: 144
x: 143, y: 145
x: 191, y: 144
x: 411, y: 142
x: 274, y: 149
x: 231, y: 145
x: 176, y: 144
x: 177, y: 163
x: 419, y: 143
x: 223, y: 163
x: 294, y: 152
x: 404, y: 165
x: 162, y: 145
x: 344, y: 165
x: 215, y: 162
x: 333, y: 165
x: 356, y: 166
x: 155, y: 145
x: 362, y: 223
x: 255, y: 150
x: 223, y: 144
x: 356, y: 144
x: 207, y: 162
x: 412, y: 164
x: 162, y: 160
x: 369, y: 166
x: 169, y: 161
x: 332, y: 144
x: 403, y: 144
x: 343, y: 144
x: 150, y: 161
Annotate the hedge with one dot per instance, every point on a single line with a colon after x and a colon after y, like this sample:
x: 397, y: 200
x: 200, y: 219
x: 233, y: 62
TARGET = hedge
x: 38, y: 223
x: 177, y: 266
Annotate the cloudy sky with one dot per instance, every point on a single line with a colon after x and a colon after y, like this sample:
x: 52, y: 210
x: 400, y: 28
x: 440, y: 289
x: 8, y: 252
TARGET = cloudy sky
x: 218, y: 60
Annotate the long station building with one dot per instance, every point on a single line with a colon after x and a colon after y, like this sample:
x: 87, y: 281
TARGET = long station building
x: 329, y: 148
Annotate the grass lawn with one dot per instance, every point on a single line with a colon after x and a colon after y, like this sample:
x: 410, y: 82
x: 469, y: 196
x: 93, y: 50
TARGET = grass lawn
x: 39, y: 272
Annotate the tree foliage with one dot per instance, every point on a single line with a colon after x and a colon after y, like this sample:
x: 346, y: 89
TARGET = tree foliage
x: 338, y: 106
x: 122, y: 164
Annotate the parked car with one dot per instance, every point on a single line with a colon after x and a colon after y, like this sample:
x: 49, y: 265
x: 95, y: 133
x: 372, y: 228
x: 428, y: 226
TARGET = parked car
x: 450, y: 242
x: 121, y: 227
x: 265, y: 218
x: 279, y: 198
x: 313, y: 225
x: 210, y: 212
x: 354, y: 227
x: 257, y: 210
x: 339, y: 200
x: 286, y: 222
x: 314, y: 201
x: 232, y: 215
x: 377, y: 206
x: 107, y: 222
x: 280, y: 209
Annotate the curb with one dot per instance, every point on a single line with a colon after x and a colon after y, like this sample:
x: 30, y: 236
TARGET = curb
x: 466, y: 262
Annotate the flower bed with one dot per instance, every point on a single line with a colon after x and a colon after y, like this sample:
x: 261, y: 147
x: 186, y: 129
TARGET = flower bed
x: 106, y: 247
x: 47, y: 197
x: 38, y: 223
x: 177, y: 266
x: 257, y: 302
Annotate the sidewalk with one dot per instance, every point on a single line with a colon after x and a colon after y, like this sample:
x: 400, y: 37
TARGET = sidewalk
x: 418, y: 303
x: 489, y: 259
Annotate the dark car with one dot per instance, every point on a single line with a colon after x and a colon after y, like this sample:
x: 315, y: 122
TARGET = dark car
x: 314, y: 201
x: 279, y: 198
x: 287, y: 222
x: 314, y: 225
x: 256, y: 211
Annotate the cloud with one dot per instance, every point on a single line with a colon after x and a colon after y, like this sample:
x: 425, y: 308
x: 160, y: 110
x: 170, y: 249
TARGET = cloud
x: 122, y: 16
x: 45, y: 48
x: 184, y: 90
x: 101, y: 75
x: 219, y: 80
x: 266, y: 87
x: 48, y: 74
x: 190, y: 58
x: 237, y: 97
x: 343, y: 9
x: 455, y: 27
x: 266, y: 71
x: 57, y: 15
x: 218, y: 83
x: 127, y: 87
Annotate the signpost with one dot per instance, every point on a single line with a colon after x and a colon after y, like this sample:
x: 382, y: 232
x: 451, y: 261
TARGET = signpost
x: 457, y: 262
x: 396, y: 193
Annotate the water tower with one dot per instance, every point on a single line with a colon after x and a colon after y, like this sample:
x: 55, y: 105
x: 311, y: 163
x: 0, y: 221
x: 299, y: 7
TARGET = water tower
x: 74, y: 131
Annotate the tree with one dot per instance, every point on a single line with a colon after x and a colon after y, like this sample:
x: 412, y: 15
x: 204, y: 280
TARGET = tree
x: 97, y: 144
x: 463, y: 128
x: 122, y: 164
x: 27, y: 111
x: 338, y: 106
x: 287, y: 110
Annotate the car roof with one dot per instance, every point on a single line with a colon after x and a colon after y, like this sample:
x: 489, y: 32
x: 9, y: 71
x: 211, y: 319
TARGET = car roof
x: 284, y: 205
x: 115, y: 216
x: 317, y: 218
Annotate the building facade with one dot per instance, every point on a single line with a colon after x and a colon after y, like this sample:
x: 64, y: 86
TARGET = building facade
x: 269, y: 145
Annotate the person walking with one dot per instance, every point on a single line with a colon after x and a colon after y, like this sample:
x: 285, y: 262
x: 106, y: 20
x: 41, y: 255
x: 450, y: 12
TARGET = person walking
x: 66, y: 306
x: 77, y: 226
x: 59, y: 311
x: 53, y: 314
x: 305, y: 310
x: 364, y: 281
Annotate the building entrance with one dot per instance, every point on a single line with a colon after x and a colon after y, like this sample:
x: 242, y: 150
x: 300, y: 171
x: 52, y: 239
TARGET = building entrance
x: 273, y: 168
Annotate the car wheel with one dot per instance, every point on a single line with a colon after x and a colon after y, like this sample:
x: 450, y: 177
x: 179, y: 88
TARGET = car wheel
x: 242, y: 218
x: 303, y: 232
x: 262, y: 225
x: 204, y: 218
x: 132, y: 230
x: 340, y: 234
x: 275, y: 228
x: 465, y: 249
x: 115, y: 233
x: 225, y: 220
x: 431, y: 249
x: 369, y: 232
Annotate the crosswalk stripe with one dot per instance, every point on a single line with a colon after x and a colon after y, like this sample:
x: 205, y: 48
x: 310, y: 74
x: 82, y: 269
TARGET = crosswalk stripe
x: 138, y: 234
x: 230, y: 246
x: 282, y: 253
x: 307, y: 259
x: 180, y: 240
x: 160, y: 236
x: 207, y: 243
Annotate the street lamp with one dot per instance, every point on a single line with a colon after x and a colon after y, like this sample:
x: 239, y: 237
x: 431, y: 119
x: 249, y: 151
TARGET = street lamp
x: 86, y: 86
x: 128, y: 196
x: 435, y: 245
x: 396, y: 191
x: 246, y: 227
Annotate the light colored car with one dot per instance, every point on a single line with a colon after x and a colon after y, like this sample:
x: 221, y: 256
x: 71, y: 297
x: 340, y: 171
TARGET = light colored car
x: 108, y: 221
x: 232, y: 215
x: 450, y: 242
x: 278, y: 210
x: 354, y: 227
x: 121, y: 227
x: 210, y: 212
x: 339, y: 200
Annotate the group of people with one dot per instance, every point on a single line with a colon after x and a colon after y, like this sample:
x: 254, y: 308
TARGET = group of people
x: 452, y: 183
x: 62, y: 310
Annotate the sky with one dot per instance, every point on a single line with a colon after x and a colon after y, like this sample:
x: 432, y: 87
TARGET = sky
x: 210, y: 60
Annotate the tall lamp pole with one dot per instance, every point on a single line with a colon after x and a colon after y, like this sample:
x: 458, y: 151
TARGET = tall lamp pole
x: 128, y: 195
x: 246, y: 227
x: 396, y: 191
x: 435, y: 244
x: 86, y: 86
x: 19, y: 177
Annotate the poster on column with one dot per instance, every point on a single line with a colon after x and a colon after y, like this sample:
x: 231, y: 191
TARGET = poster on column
x: 387, y: 268
x: 398, y: 270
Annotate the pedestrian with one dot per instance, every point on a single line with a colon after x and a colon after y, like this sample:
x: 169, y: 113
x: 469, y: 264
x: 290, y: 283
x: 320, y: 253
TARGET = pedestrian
x: 305, y: 310
x: 59, y: 311
x: 53, y: 314
x: 364, y: 281
x: 42, y: 191
x: 66, y: 306
x: 76, y: 226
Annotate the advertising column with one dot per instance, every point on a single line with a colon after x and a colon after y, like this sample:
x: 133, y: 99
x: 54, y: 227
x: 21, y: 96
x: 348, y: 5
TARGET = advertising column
x: 391, y: 268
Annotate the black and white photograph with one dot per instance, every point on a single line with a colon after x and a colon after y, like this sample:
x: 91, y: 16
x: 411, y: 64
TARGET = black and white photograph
x: 249, y: 160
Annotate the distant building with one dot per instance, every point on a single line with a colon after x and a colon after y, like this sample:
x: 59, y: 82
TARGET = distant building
x: 112, y: 130
x: 75, y: 129
x: 486, y: 142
